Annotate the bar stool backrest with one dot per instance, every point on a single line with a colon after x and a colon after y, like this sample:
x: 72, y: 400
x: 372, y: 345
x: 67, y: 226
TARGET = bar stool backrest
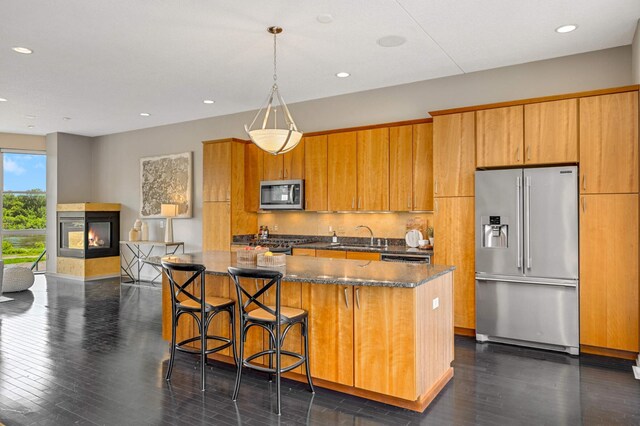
x: 180, y: 289
x: 247, y: 298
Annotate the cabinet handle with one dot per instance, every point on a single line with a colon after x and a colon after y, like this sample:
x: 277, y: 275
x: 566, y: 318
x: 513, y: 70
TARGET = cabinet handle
x: 517, y: 153
x: 285, y: 173
x: 359, y: 203
x: 529, y: 152
x: 306, y: 203
x: 435, y: 185
x: 584, y: 181
x: 257, y: 286
x: 346, y: 297
x: 228, y: 195
x: 353, y: 203
x: 584, y: 205
x: 358, y: 298
x: 436, y: 203
x: 409, y: 202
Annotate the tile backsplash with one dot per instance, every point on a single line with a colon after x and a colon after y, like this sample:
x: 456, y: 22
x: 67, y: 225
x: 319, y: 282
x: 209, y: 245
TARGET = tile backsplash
x: 383, y: 225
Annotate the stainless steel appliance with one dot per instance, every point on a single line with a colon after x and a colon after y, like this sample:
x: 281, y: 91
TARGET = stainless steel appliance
x: 527, y: 257
x: 406, y: 257
x: 282, y: 194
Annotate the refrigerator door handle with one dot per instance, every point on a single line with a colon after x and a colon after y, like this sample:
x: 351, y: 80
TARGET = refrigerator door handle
x: 518, y: 198
x: 503, y: 280
x: 527, y: 218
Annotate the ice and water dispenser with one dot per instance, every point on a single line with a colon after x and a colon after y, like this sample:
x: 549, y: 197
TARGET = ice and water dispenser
x: 495, y: 231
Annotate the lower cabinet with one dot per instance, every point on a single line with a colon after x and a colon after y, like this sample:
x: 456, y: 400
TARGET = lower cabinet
x: 216, y: 226
x: 363, y: 255
x: 217, y: 286
x: 609, y: 271
x: 290, y: 295
x: 333, y: 254
x: 455, y: 245
x: 385, y: 341
x: 330, y: 309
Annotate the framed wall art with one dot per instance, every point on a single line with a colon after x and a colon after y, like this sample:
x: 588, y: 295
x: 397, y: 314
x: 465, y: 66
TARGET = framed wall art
x: 166, y: 179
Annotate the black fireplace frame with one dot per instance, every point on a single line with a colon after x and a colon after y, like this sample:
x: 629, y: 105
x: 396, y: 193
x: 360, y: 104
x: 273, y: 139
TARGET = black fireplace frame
x: 88, y: 217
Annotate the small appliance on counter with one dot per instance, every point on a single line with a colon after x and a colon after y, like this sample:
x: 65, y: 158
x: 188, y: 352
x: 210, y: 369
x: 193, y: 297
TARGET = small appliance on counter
x: 282, y: 194
x: 527, y: 257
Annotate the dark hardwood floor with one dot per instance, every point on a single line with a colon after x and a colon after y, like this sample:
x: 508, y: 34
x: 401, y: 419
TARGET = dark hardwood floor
x: 75, y: 353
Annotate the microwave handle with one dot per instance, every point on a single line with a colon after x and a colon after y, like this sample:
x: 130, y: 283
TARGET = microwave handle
x: 291, y: 187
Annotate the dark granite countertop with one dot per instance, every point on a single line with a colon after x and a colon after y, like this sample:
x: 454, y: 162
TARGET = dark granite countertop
x: 324, y: 271
x: 391, y: 248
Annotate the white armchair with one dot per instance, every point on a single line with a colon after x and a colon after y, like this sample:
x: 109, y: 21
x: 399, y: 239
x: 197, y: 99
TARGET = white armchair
x: 18, y: 278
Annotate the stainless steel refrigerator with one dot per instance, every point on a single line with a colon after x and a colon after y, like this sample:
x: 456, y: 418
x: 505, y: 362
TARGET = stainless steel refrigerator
x: 527, y: 257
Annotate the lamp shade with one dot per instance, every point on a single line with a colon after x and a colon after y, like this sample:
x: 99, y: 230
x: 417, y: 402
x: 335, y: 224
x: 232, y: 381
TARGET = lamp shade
x: 275, y: 141
x: 169, y: 210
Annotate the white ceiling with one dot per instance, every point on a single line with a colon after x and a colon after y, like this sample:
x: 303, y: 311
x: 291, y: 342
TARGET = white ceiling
x: 103, y: 62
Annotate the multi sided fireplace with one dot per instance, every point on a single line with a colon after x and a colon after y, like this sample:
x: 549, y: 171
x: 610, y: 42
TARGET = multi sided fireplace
x: 88, y: 235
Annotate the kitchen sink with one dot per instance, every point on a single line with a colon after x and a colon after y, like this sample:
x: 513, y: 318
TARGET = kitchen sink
x: 356, y: 247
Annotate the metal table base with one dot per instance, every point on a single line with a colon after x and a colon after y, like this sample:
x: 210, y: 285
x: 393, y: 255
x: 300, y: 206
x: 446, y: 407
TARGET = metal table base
x: 134, y: 253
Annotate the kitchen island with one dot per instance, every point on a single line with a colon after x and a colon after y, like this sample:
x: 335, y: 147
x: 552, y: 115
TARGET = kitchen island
x: 378, y: 330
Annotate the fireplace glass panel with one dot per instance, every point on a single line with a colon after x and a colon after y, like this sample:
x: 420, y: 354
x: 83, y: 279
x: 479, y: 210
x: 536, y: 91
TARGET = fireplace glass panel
x: 73, y: 235
x: 99, y: 235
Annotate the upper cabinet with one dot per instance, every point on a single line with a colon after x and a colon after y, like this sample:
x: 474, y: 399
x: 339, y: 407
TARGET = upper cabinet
x: 411, y: 167
x: 285, y: 166
x: 315, y: 171
x: 342, y: 155
x: 551, y: 132
x: 454, y: 157
x: 609, y: 143
x: 373, y: 169
x: 216, y: 179
x: 500, y: 136
x: 253, y: 169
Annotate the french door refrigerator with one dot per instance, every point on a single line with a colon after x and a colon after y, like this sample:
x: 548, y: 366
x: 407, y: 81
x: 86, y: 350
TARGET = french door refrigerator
x: 527, y: 257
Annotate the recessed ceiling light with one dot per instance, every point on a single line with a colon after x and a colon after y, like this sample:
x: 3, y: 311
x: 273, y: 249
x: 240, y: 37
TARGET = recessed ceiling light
x: 145, y: 114
x: 23, y: 50
x: 31, y: 126
x: 391, y: 41
x: 566, y: 28
x: 3, y: 100
x: 209, y: 101
x: 342, y: 74
x: 30, y: 117
x: 325, y: 18
x: 66, y: 118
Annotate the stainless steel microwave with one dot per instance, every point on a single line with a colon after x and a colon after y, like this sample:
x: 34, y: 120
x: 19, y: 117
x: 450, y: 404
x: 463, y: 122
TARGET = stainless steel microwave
x: 282, y: 194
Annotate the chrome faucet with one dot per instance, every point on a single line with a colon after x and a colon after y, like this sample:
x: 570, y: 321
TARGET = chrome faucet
x: 370, y: 231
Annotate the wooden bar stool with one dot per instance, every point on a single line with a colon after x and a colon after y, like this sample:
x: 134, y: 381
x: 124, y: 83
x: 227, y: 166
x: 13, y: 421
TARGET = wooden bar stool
x: 186, y: 300
x: 254, y: 313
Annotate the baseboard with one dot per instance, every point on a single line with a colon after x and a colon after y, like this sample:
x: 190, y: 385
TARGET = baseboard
x: 464, y: 331
x: 612, y: 353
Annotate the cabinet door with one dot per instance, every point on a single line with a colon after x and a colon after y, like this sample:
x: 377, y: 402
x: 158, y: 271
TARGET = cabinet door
x: 454, y: 244
x: 373, y: 169
x: 315, y: 171
x: 255, y: 335
x: 273, y: 166
x: 216, y: 226
x: 363, y: 255
x: 454, y: 155
x: 330, y: 309
x: 304, y: 252
x: 385, y: 339
x: 252, y: 177
x: 333, y: 254
x: 291, y: 296
x: 342, y: 166
x: 609, y: 143
x: 401, y: 168
x: 423, y: 167
x: 500, y: 136
x: 220, y: 325
x: 293, y: 162
x: 551, y: 132
x: 609, y: 271
x: 216, y: 171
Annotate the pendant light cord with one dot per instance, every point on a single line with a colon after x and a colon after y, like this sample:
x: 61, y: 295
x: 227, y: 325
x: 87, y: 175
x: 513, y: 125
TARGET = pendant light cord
x: 275, y: 73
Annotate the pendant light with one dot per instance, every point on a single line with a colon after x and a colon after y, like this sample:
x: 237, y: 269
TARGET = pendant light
x: 274, y: 140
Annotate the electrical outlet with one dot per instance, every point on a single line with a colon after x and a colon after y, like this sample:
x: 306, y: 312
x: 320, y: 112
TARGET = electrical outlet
x: 275, y: 227
x: 330, y: 229
x: 436, y: 303
x: 162, y: 224
x: 636, y: 372
x: 340, y: 229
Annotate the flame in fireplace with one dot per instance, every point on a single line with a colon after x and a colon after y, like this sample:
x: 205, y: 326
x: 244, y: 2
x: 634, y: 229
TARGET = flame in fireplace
x: 94, y: 239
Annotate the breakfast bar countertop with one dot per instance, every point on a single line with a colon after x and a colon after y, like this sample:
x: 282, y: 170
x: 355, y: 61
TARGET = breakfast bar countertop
x: 323, y: 270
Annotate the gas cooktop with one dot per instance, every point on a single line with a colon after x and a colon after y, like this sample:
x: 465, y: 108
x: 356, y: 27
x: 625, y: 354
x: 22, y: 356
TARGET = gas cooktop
x: 280, y: 243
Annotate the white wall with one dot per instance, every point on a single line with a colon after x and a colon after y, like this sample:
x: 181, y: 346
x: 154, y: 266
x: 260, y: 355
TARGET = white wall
x: 635, y: 55
x: 69, y: 176
x: 116, y: 157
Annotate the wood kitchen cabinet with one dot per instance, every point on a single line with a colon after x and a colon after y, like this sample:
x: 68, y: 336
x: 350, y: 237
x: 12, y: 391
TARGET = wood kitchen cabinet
x: 454, y: 158
x: 384, y: 349
x: 609, y: 271
x: 609, y: 143
x: 411, y: 167
x: 363, y: 255
x: 342, y: 164
x: 551, y: 132
x: 253, y: 172
x: 291, y: 296
x: 330, y: 309
x: 455, y: 245
x: 226, y: 180
x: 373, y: 169
x: 285, y: 166
x: 315, y: 172
x: 332, y: 254
x: 500, y: 136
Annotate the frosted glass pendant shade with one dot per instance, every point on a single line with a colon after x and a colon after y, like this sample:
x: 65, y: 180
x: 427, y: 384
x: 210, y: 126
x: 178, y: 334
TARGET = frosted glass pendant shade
x: 275, y: 141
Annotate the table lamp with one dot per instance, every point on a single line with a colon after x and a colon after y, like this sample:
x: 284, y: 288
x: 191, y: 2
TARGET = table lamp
x: 169, y: 211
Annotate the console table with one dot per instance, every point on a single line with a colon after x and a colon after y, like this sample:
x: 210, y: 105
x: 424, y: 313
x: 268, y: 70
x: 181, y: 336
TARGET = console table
x: 134, y: 253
